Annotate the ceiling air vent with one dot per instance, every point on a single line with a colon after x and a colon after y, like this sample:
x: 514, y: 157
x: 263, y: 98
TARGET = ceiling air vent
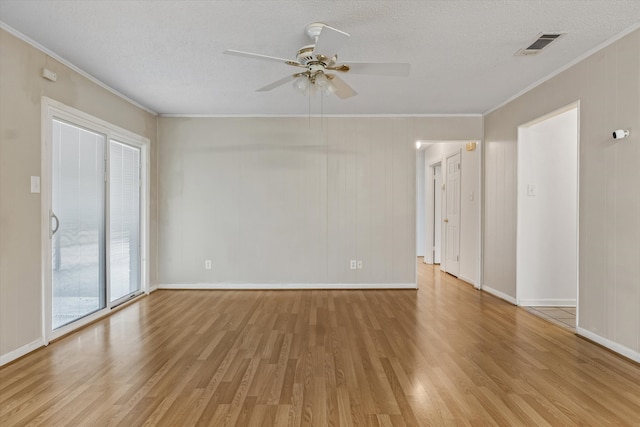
x: 543, y: 40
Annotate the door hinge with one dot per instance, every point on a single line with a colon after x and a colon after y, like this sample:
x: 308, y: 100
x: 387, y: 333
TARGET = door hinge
x: 457, y: 257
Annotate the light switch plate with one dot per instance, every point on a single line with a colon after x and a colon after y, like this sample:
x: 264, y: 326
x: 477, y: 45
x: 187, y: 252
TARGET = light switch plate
x: 35, y: 184
x: 532, y: 190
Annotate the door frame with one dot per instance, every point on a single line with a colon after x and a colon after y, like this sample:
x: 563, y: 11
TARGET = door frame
x: 574, y: 105
x: 51, y: 109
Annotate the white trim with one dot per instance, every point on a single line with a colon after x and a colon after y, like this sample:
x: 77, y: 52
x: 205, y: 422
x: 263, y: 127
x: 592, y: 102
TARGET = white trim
x: 611, y: 345
x: 21, y: 351
x: 46, y: 130
x: 547, y: 302
x: 566, y: 66
x: 553, y: 302
x: 481, y: 206
x: 114, y: 132
x: 469, y: 281
x: 68, y: 64
x: 578, y: 108
x: 499, y: 294
x: 306, y: 116
x: 51, y: 109
x: 286, y: 286
x: 429, y: 210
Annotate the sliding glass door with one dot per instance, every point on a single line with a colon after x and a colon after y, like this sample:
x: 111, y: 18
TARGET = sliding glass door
x: 78, y: 223
x: 94, y: 211
x: 124, y: 220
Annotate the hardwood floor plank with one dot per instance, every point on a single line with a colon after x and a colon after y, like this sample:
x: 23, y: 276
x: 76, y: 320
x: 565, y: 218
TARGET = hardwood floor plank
x: 443, y: 355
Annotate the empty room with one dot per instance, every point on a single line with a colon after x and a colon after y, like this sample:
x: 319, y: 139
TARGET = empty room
x: 319, y: 213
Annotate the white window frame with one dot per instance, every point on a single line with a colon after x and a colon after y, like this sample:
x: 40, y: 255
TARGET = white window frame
x: 52, y: 109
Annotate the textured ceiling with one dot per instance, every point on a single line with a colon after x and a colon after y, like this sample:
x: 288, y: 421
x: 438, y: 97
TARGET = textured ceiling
x: 167, y: 55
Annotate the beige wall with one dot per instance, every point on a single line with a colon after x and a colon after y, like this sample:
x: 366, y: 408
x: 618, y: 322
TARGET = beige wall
x: 283, y: 200
x: 21, y: 89
x: 607, y: 84
x: 359, y: 163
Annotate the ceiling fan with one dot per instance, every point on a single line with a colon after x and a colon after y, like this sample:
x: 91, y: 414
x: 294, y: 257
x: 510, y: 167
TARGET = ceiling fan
x: 319, y: 60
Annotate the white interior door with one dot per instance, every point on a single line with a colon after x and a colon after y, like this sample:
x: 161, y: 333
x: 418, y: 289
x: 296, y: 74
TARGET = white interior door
x: 452, y: 220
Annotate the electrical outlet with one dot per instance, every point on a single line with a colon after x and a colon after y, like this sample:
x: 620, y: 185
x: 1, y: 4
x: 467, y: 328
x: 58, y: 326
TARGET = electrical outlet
x: 359, y: 264
x: 353, y: 264
x: 207, y: 264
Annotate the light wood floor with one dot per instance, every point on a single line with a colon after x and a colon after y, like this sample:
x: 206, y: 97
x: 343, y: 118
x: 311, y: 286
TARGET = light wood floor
x: 444, y: 355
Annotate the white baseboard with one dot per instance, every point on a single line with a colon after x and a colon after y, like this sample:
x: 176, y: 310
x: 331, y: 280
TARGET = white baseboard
x: 287, y: 286
x: 152, y: 289
x: 19, y: 352
x: 499, y: 294
x: 547, y: 302
x: 611, y: 345
x: 469, y: 281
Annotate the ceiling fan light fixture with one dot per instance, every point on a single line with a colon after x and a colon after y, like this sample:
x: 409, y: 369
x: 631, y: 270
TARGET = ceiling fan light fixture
x: 330, y: 89
x: 302, y: 84
x: 321, y: 80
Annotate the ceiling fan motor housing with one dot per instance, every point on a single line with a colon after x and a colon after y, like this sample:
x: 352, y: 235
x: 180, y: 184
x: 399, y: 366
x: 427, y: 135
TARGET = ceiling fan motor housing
x: 305, y: 54
x: 315, y: 65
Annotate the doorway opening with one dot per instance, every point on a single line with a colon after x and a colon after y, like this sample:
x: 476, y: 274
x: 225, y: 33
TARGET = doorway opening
x: 451, y: 204
x: 547, y: 215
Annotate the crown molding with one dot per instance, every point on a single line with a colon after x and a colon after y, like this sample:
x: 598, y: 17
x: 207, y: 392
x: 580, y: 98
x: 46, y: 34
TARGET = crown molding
x: 68, y: 64
x: 306, y: 116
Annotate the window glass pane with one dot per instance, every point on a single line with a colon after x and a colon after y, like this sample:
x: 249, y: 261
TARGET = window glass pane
x: 78, y: 202
x: 124, y: 222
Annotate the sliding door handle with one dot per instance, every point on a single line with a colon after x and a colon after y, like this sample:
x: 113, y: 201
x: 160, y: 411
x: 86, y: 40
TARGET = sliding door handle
x: 52, y: 216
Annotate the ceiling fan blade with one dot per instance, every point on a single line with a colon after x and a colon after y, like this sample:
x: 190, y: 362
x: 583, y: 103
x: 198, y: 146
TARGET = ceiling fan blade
x: 277, y: 83
x: 262, y: 57
x: 329, y: 42
x: 379, y: 68
x: 342, y: 89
